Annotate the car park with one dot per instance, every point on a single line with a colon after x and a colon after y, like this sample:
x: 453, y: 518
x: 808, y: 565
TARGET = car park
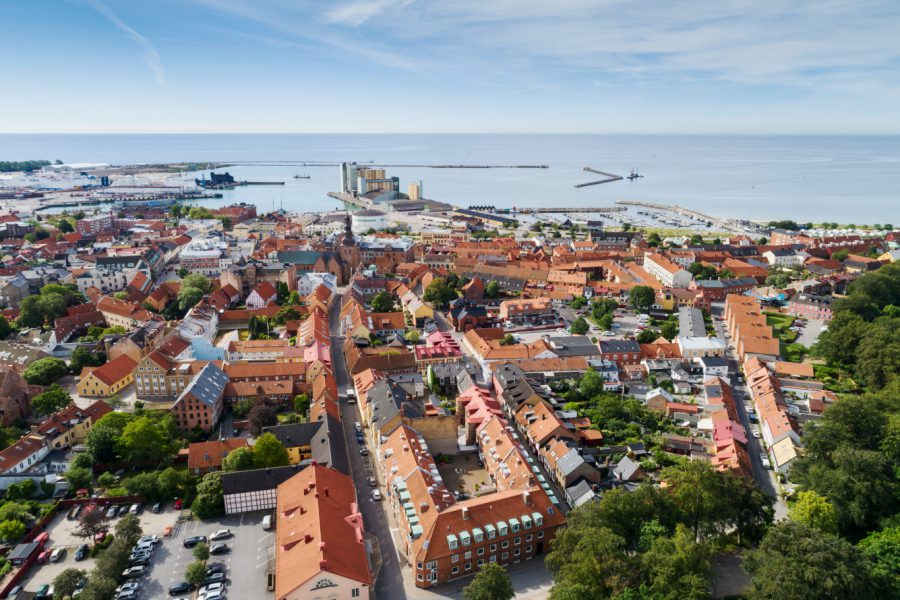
x: 219, y: 549
x: 82, y: 552
x: 193, y: 541
x: 222, y: 534
x: 180, y: 588
x: 57, y: 554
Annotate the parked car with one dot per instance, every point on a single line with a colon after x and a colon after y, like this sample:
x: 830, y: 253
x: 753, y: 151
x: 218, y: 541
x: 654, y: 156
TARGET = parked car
x: 14, y: 593
x: 133, y: 572
x: 157, y: 508
x: 75, y: 511
x: 140, y: 561
x: 111, y: 512
x: 756, y: 433
x: 765, y: 460
x: 82, y: 552
x: 376, y: 495
x: 267, y: 522
x: 358, y: 427
x: 178, y: 504
x: 213, y: 578
x: 136, y: 508
x: 215, y: 568
x: 193, y: 541
x: 182, y: 587
x: 42, y: 539
x: 219, y: 595
x: 364, y: 451
x: 222, y: 534
x: 99, y: 537
x: 130, y: 586
x: 219, y: 549
x: 153, y: 539
x: 57, y: 554
x: 43, y: 557
x: 372, y: 481
x: 42, y: 592
x: 360, y: 439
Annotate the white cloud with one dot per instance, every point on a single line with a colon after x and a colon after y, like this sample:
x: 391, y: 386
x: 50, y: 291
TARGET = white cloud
x: 151, y: 56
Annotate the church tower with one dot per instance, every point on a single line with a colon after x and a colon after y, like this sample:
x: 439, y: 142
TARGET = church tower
x: 349, y: 251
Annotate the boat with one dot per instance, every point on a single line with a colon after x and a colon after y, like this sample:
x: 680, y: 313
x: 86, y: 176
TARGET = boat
x: 634, y: 175
x: 301, y: 177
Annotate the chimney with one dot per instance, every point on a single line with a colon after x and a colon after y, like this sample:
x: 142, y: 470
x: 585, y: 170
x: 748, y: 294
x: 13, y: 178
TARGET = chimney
x: 325, y: 490
x: 465, y: 512
x: 526, y: 497
x: 307, y: 538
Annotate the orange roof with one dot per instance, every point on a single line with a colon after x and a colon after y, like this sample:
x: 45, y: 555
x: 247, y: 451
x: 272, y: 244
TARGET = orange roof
x: 209, y: 455
x: 319, y: 528
x: 114, y: 371
x: 793, y: 369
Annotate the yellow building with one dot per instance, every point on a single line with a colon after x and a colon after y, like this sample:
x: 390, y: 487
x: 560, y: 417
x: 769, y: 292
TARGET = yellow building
x: 297, y: 438
x: 108, y: 379
x: 71, y: 425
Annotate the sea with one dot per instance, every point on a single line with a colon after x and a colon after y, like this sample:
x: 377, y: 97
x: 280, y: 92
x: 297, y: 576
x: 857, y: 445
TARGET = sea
x: 844, y: 179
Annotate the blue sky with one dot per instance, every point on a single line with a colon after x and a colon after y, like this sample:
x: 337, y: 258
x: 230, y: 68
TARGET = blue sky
x: 728, y: 66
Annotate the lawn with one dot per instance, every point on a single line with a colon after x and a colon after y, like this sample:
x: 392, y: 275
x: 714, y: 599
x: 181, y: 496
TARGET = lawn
x: 793, y: 352
x: 780, y: 325
x: 835, y: 379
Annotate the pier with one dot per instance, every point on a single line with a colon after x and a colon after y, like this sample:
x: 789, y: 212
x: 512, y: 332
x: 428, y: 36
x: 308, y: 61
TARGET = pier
x: 724, y: 224
x: 266, y: 163
x: 350, y: 199
x: 607, y: 178
x: 581, y: 209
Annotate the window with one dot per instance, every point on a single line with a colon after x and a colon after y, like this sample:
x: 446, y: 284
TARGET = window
x: 354, y: 593
x: 480, y: 561
x: 493, y: 559
x: 419, y: 566
x: 481, y: 551
x: 431, y: 565
x: 468, y: 555
x: 504, y: 556
x: 527, y: 548
x: 517, y: 552
x: 454, y: 570
x: 493, y: 547
x: 419, y: 577
x: 528, y: 537
x: 468, y: 566
x: 454, y: 558
x: 517, y: 541
x: 505, y: 544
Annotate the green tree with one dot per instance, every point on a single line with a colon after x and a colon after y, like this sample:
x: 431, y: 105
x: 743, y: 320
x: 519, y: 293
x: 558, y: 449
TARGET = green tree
x: 107, y: 479
x: 188, y: 297
x: 288, y: 313
x: 201, y: 552
x: 676, y: 567
x: 578, y: 302
x: 579, y: 326
x: 23, y: 490
x: 65, y: 584
x: 439, y: 293
x: 50, y: 401
x: 102, y: 441
x: 196, y: 280
x: 79, y: 478
x: 647, y: 336
x: 507, y: 340
x: 45, y: 371
x: 798, y: 562
x: 15, y: 511
x: 882, y: 548
x: 195, y: 574
x: 642, y: 297
x: 814, y: 511
x: 669, y: 330
x: 174, y: 483
x: 210, y: 501
x: 492, y: 290
x: 383, y: 302
x: 144, y: 440
x: 573, y: 561
x: 492, y: 582
x: 5, y: 328
x: 269, y: 452
x: 11, y: 531
x: 301, y: 404
x: 129, y: 529
x: 412, y: 336
x: 144, y: 484
x: 240, y: 459
x: 83, y: 357
x: 840, y: 255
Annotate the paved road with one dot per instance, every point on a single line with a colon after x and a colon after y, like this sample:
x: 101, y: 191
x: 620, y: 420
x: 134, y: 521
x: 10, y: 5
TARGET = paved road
x: 764, y: 478
x: 389, y: 582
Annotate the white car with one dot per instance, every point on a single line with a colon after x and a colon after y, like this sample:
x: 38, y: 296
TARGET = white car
x: 153, y: 539
x: 220, y: 595
x: 212, y: 588
x: 376, y: 495
x: 765, y: 461
x: 222, y: 534
x: 756, y: 433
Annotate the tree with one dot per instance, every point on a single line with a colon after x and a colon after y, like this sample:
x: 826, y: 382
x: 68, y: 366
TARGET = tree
x: 144, y: 484
x: 23, y: 490
x: 492, y: 290
x: 11, y: 531
x: 439, y: 293
x: 107, y: 479
x: 79, y: 478
x: 383, y: 302
x: 701, y: 271
x: 240, y: 459
x: 50, y: 401
x: 814, y: 511
x: 5, y: 328
x: 579, y: 326
x: 647, y: 336
x: 91, y: 522
x: 102, y: 441
x: 573, y: 560
x: 65, y: 584
x: 669, y: 330
x: 241, y: 408
x: 882, y: 548
x: 288, y: 313
x: 492, y: 582
x: 412, y: 336
x: 799, y: 562
x: 261, y: 415
x: 99, y: 586
x: 45, y: 371
x: 507, y: 340
x: 676, y: 567
x: 129, y: 529
x: 840, y: 255
x: 195, y: 574
x: 83, y: 357
x: 578, y: 302
x: 210, y: 501
x: 642, y: 297
x: 174, y: 483
x: 269, y: 452
x: 188, y: 297
x: 196, y: 280
x: 201, y: 552
x: 301, y: 404
x: 143, y: 441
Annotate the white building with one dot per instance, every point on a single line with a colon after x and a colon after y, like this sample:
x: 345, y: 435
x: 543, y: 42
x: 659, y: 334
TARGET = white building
x: 697, y: 347
x: 362, y: 221
x: 782, y: 257
x: 667, y: 272
x: 311, y: 280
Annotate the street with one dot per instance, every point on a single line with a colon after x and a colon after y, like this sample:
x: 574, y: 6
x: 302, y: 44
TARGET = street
x: 764, y: 478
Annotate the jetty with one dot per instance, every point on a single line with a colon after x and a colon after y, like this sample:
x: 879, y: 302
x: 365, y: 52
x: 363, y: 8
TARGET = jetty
x: 607, y: 177
x: 350, y: 199
x: 578, y: 209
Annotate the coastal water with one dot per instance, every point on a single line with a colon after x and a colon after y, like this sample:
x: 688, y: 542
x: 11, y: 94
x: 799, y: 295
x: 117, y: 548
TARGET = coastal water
x: 848, y: 179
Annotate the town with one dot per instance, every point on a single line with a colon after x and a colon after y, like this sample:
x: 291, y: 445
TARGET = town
x: 408, y: 399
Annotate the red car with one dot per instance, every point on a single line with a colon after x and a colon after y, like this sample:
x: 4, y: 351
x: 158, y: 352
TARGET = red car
x: 178, y: 503
x: 100, y: 537
x: 43, y: 557
x: 42, y: 539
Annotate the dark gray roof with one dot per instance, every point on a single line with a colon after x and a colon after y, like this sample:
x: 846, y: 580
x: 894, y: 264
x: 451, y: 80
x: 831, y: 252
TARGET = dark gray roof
x: 328, y: 446
x: 255, y: 480
x: 690, y: 322
x: 208, y: 386
x: 713, y: 361
x: 385, y: 399
x: 570, y: 462
x: 299, y: 257
x: 573, y: 345
x: 294, y: 434
x: 22, y: 551
x: 616, y: 346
